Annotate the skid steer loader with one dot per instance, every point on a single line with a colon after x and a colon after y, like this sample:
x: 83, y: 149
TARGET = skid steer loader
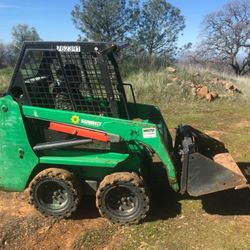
x: 67, y: 130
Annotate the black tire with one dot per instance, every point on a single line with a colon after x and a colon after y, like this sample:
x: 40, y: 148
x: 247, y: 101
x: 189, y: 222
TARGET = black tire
x: 55, y: 192
x: 122, y: 198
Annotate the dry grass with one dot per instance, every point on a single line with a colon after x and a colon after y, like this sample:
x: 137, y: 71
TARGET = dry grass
x: 161, y: 87
x: 242, y: 82
x: 158, y: 88
x: 5, y: 75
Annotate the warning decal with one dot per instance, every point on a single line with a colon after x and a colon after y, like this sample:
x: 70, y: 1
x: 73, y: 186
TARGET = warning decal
x: 149, y: 132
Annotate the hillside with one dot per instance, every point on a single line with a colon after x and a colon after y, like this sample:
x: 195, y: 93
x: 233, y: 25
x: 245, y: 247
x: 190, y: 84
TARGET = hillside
x: 181, y: 84
x: 176, y: 84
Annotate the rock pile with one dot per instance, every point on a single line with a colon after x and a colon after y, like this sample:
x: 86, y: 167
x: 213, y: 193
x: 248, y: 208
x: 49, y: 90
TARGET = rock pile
x: 227, y: 85
x: 203, y: 92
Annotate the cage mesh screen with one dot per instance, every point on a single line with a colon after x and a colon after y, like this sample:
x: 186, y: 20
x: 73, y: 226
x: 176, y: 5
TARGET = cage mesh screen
x: 68, y: 81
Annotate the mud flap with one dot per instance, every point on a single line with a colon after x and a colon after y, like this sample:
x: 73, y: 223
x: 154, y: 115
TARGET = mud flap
x: 207, y: 167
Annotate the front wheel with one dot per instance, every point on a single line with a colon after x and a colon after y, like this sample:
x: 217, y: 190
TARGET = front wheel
x: 122, y: 198
x: 55, y: 192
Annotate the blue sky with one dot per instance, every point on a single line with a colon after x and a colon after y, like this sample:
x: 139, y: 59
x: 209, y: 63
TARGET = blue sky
x: 52, y: 19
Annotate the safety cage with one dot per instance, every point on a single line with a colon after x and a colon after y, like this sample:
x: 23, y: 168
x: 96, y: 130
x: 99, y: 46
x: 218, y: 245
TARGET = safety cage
x: 73, y: 76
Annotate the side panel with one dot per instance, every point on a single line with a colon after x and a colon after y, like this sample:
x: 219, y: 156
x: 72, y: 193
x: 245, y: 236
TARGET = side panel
x: 130, y: 131
x: 17, y: 158
x: 93, y: 165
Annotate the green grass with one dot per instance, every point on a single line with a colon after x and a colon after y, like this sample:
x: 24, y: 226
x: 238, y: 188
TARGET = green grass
x: 183, y: 233
x: 5, y: 75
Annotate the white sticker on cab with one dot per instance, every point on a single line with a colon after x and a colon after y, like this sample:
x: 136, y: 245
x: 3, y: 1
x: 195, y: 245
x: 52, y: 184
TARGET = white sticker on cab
x: 149, y: 132
x: 68, y: 48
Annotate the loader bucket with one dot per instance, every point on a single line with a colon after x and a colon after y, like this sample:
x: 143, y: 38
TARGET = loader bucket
x: 207, y: 166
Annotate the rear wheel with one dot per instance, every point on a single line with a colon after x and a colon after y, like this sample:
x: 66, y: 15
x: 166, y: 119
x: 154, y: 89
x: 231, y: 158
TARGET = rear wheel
x: 122, y: 198
x: 55, y: 192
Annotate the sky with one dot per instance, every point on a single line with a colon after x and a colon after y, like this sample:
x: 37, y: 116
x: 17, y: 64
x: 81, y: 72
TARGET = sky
x: 52, y: 18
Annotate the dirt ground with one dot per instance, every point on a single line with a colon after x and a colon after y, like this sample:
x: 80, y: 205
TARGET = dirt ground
x: 22, y: 227
x: 221, y: 215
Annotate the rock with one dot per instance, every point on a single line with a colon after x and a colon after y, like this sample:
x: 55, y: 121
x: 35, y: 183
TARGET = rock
x: 215, y: 81
x: 222, y: 82
x: 214, y: 94
x: 194, y: 93
x: 202, y: 92
x: 171, y: 70
x: 209, y: 97
x: 238, y: 91
x: 229, y: 86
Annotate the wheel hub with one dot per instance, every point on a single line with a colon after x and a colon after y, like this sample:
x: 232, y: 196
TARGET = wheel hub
x: 121, y: 201
x: 59, y: 197
x: 52, y: 195
x: 126, y: 203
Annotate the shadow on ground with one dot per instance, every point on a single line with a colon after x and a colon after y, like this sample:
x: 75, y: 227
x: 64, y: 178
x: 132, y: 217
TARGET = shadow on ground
x: 165, y: 202
x: 230, y: 202
x: 87, y: 209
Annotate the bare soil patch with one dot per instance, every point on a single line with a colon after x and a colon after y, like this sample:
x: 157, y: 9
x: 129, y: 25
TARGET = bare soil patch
x: 242, y: 124
x: 22, y: 227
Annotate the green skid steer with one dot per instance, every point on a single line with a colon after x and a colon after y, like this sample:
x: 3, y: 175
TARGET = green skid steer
x: 67, y: 130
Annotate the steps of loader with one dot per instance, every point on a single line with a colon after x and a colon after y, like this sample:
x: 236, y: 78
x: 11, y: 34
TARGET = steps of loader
x: 84, y: 159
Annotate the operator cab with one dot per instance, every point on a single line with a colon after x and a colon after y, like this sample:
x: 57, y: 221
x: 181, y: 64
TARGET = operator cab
x: 80, y: 77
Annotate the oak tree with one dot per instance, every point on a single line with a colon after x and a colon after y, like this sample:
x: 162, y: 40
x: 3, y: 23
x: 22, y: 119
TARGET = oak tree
x: 226, y: 36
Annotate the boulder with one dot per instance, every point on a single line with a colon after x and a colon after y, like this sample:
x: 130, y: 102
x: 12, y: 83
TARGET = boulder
x: 202, y: 92
x: 229, y: 86
x: 214, y: 94
x: 209, y: 97
x: 215, y: 81
x: 171, y: 70
x: 194, y: 91
x: 223, y: 82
